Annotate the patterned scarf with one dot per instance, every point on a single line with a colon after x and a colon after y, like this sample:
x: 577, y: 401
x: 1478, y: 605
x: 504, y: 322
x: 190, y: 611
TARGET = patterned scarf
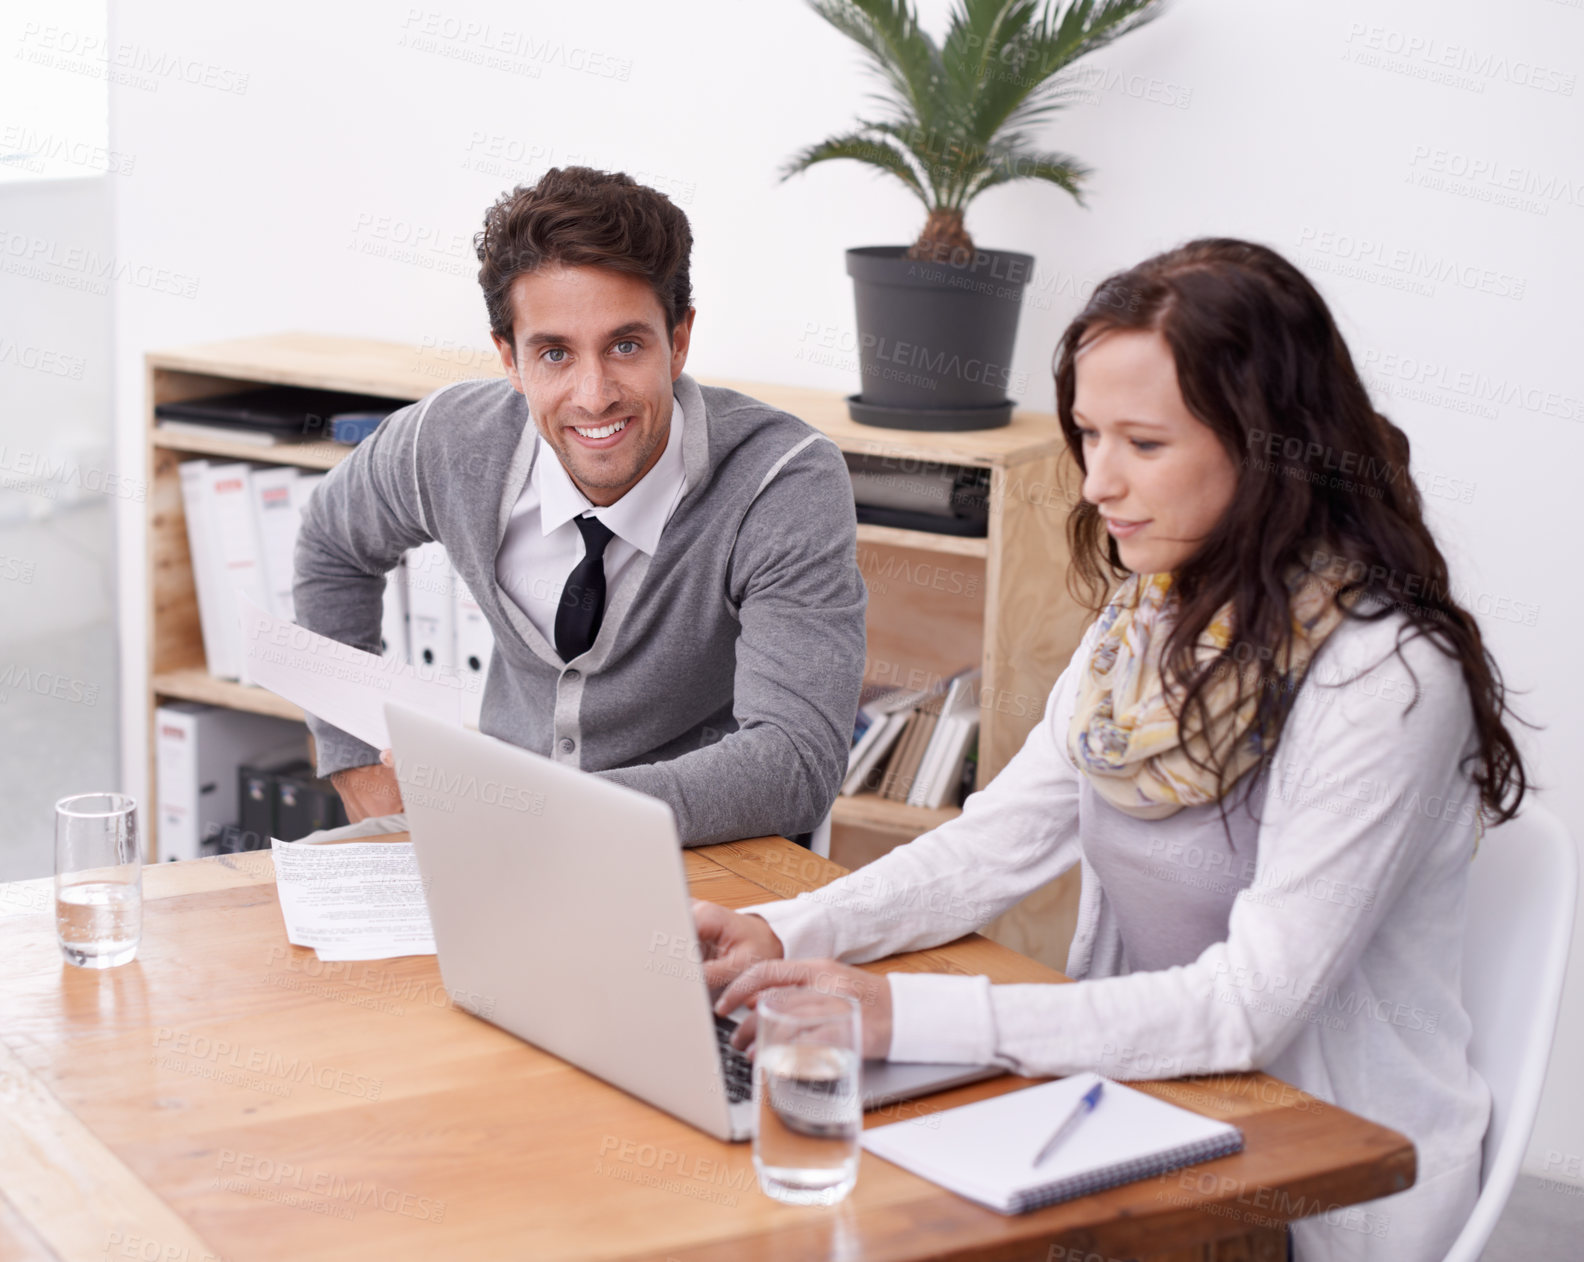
x: 1124, y: 734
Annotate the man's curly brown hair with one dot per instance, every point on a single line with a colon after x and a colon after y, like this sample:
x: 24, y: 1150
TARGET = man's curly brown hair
x: 577, y: 216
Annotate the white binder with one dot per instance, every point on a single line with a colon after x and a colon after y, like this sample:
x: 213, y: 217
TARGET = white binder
x: 198, y: 750
x: 431, y: 609
x: 240, y: 552
x: 205, y: 570
x: 302, y: 488
x: 278, y: 514
x: 393, y: 616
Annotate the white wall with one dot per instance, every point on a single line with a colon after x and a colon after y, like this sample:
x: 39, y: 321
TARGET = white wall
x: 1313, y: 126
x: 58, y: 683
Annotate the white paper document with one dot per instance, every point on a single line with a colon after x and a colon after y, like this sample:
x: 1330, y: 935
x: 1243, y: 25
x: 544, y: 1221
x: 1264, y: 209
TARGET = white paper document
x: 985, y: 1150
x: 353, y: 900
x: 344, y: 686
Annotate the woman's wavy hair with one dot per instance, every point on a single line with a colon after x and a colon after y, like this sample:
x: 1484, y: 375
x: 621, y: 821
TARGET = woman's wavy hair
x: 1323, y: 482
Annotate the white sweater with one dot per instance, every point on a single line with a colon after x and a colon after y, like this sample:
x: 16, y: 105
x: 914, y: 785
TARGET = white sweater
x: 1340, y: 970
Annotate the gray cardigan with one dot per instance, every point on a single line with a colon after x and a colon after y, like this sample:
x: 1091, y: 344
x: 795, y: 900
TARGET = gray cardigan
x: 725, y: 676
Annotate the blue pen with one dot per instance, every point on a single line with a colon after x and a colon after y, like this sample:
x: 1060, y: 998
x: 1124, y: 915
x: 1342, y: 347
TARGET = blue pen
x: 1081, y: 1110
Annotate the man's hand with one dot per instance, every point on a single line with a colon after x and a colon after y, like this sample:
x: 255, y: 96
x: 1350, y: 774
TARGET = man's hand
x: 731, y: 942
x: 871, y: 990
x: 370, y: 790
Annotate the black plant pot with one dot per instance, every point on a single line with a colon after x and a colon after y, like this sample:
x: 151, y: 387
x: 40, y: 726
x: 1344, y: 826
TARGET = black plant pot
x: 935, y: 338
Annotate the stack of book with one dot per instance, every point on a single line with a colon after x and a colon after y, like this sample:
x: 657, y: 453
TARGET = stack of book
x: 242, y: 525
x: 917, y: 746
x: 272, y: 416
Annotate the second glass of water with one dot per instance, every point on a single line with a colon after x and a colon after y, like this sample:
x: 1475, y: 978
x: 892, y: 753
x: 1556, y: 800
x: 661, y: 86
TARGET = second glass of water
x: 98, y: 879
x: 808, y: 1106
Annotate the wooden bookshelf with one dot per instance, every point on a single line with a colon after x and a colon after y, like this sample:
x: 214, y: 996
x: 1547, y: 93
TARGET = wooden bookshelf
x: 878, y: 814
x: 195, y: 683
x: 937, y: 602
x: 316, y: 455
x: 923, y: 540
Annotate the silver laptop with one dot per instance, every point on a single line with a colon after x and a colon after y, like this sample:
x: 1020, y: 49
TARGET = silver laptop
x: 561, y: 913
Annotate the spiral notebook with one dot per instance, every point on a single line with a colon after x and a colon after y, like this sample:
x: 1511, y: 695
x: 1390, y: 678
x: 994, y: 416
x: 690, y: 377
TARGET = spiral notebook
x: 985, y: 1150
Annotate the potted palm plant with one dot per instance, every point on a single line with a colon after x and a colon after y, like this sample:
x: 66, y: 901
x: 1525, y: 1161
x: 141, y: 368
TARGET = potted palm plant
x: 937, y: 320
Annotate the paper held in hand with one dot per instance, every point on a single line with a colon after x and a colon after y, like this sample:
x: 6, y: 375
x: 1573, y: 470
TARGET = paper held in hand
x: 344, y: 686
x: 353, y: 900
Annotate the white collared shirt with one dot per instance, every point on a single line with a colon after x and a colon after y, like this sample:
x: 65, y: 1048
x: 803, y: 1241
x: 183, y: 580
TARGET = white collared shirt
x: 543, y: 543
x: 1339, y: 971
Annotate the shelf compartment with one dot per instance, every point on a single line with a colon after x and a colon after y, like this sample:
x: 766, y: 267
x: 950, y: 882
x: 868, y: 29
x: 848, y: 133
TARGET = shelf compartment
x: 328, y: 362
x: 194, y: 683
x: 870, y: 810
x: 318, y: 454
x: 1030, y: 436
x: 923, y: 541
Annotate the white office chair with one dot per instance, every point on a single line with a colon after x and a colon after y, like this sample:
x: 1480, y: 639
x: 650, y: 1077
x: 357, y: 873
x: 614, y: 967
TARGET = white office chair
x: 1522, y: 889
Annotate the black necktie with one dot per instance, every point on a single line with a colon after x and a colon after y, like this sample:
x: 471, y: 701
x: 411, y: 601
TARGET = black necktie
x: 583, y: 598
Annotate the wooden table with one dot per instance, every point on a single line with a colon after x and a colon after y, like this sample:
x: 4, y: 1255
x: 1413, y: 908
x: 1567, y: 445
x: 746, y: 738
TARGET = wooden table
x: 230, y: 1096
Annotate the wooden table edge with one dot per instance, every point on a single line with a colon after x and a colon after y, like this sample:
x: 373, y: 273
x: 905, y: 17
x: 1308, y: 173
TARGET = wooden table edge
x: 42, y: 1136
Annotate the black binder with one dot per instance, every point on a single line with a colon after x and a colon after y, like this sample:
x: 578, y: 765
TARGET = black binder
x: 304, y: 803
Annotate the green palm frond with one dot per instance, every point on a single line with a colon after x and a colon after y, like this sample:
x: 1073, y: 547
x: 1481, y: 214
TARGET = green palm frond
x: 1017, y: 162
x: 897, y: 49
x: 959, y: 115
x: 864, y: 145
x: 937, y: 154
x: 1029, y: 88
x: 976, y: 38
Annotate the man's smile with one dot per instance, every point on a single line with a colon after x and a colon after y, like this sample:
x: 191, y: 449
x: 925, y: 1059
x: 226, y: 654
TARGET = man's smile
x: 601, y: 436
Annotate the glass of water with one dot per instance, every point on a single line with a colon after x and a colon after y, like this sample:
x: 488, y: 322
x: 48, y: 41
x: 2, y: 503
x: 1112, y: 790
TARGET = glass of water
x: 98, y: 879
x: 808, y: 1061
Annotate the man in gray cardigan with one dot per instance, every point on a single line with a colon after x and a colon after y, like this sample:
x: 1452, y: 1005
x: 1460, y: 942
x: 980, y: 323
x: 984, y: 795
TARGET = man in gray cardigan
x: 669, y: 570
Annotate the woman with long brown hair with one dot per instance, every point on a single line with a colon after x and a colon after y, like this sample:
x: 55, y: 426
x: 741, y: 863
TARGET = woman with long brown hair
x: 1273, y: 756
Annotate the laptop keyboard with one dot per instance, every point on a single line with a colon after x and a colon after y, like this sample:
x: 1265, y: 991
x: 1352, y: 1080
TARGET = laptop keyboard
x: 739, y: 1069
